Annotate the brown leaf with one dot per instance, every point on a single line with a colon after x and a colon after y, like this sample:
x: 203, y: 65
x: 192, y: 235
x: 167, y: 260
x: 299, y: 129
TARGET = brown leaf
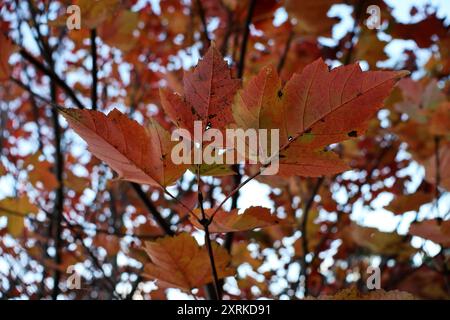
x: 179, y: 262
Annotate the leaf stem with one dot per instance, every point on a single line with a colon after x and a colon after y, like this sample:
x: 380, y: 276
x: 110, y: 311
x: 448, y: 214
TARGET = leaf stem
x: 205, y: 222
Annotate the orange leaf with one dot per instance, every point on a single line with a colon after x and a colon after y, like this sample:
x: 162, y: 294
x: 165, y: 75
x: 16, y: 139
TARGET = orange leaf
x: 136, y: 153
x: 252, y: 218
x: 181, y: 263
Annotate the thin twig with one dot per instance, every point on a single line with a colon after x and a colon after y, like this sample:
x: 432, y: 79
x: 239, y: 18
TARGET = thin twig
x: 205, y: 223
x: 248, y: 21
x: 304, y: 229
x: 94, y: 69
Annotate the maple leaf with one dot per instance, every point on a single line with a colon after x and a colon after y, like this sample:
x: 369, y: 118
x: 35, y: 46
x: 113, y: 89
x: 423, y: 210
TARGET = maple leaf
x: 180, y: 262
x: 315, y: 108
x: 251, y: 218
x: 434, y: 230
x: 312, y: 16
x: 136, y: 153
x: 208, y: 95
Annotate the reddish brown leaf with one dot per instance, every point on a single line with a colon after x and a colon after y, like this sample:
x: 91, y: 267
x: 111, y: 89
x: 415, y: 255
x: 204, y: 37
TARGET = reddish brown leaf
x: 134, y: 152
x: 208, y: 95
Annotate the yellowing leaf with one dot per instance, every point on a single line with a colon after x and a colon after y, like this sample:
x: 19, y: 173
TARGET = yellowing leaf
x: 136, y: 153
x: 312, y: 16
x: 353, y: 294
x: 179, y: 262
x: 16, y: 209
x: 40, y: 171
x: 251, y: 218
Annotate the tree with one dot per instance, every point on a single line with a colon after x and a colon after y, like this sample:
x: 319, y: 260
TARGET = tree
x: 132, y: 136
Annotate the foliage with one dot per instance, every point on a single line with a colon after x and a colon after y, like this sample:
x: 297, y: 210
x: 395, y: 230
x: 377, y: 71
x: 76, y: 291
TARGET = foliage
x: 358, y: 126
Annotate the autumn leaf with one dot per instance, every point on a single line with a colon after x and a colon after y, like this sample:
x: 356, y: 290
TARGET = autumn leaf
x: 16, y: 209
x: 411, y: 202
x: 440, y: 120
x: 208, y: 95
x: 312, y: 16
x: 354, y: 294
x: 251, y: 218
x: 444, y: 167
x: 240, y: 254
x: 118, y: 30
x: 217, y: 170
x: 40, y: 171
x: 179, y: 262
x: 434, y: 230
x: 314, y: 109
x: 421, y: 32
x: 6, y: 51
x: 93, y: 13
x: 378, y: 242
x: 136, y: 153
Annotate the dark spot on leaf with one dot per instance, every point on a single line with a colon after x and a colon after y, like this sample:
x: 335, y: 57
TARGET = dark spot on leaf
x: 308, y: 131
x: 280, y: 93
x: 211, y: 116
x: 352, y: 134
